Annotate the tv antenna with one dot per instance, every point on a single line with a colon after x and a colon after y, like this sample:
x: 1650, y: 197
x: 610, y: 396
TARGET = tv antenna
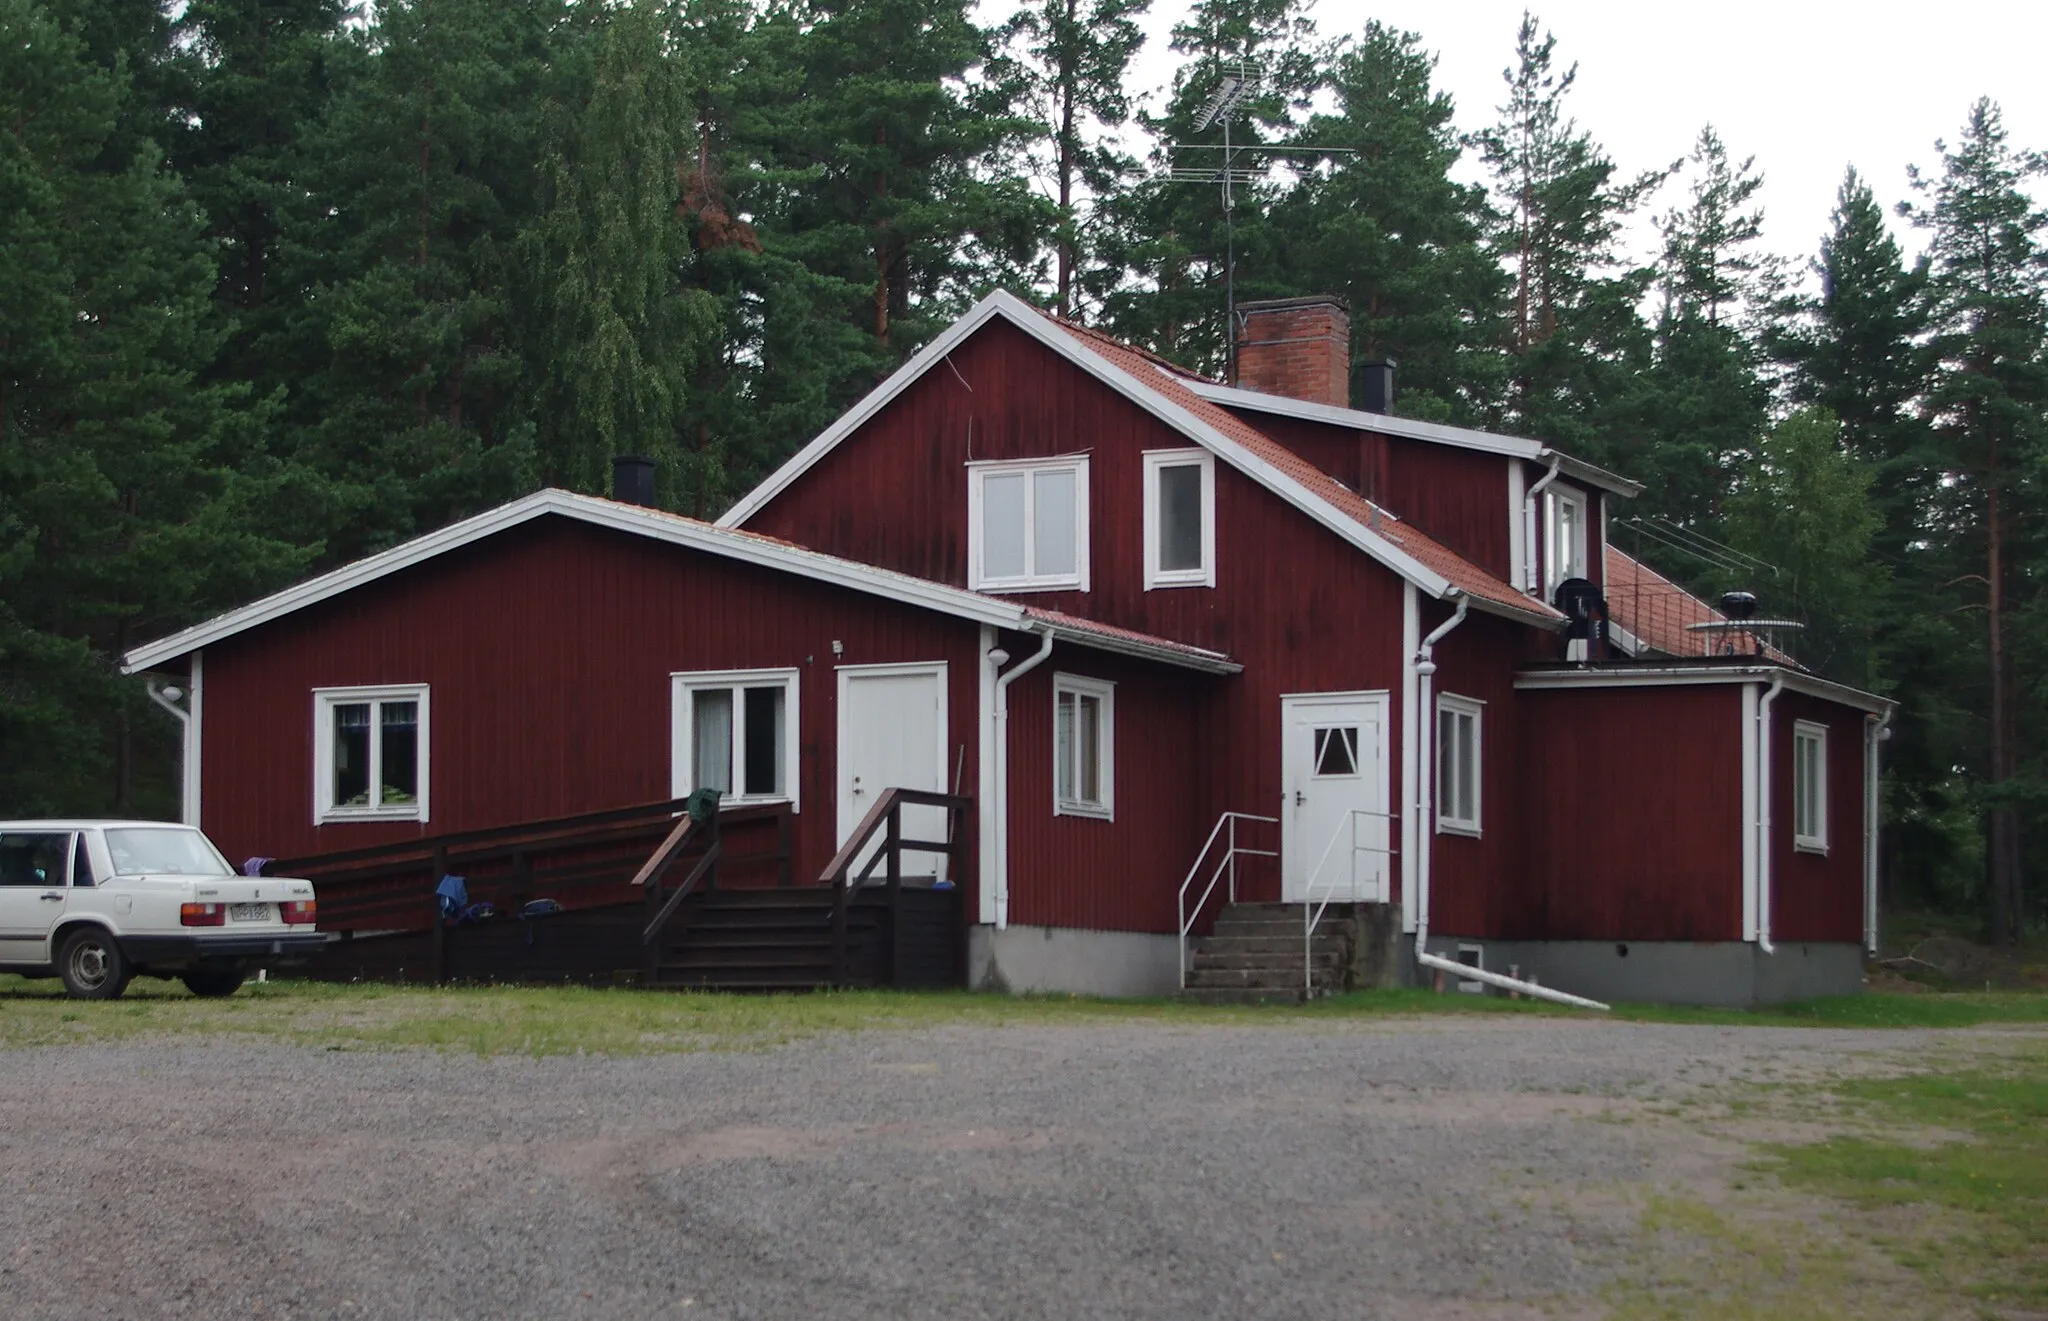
x: 1238, y: 85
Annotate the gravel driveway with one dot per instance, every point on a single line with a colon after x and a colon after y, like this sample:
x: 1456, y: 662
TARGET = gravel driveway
x: 1400, y: 1168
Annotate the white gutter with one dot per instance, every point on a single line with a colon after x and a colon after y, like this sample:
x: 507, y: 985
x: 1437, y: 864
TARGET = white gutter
x: 1875, y: 733
x: 1425, y: 832
x: 999, y: 879
x: 1763, y: 814
x: 1531, y: 543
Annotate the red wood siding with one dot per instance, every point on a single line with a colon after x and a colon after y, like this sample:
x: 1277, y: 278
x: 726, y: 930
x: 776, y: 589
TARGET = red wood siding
x: 548, y: 649
x: 1818, y: 897
x: 1125, y: 874
x: 1476, y: 878
x: 1632, y: 803
x: 1458, y: 496
x: 1301, y: 609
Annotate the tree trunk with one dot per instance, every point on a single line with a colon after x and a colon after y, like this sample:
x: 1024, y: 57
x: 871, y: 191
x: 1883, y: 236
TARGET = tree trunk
x: 1065, y: 247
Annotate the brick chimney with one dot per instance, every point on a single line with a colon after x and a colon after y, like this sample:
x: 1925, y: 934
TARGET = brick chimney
x: 1297, y: 347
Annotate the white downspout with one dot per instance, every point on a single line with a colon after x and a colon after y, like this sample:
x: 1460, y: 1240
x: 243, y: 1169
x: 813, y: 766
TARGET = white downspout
x: 1531, y: 542
x: 167, y: 698
x: 1876, y: 733
x: 1763, y: 813
x: 999, y: 883
x: 1425, y: 668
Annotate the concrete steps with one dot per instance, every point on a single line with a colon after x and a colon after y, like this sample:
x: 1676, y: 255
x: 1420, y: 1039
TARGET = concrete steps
x: 1255, y: 956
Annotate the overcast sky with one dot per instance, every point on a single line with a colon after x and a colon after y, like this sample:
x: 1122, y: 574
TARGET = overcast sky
x: 1804, y: 86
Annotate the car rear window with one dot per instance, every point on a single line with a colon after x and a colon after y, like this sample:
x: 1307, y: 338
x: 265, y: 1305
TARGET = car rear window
x: 138, y: 851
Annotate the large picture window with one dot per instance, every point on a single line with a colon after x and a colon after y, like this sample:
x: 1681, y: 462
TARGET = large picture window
x: 1810, y: 786
x: 370, y: 750
x: 1083, y: 747
x: 1027, y: 525
x: 1457, y: 765
x: 735, y: 731
x: 1180, y: 518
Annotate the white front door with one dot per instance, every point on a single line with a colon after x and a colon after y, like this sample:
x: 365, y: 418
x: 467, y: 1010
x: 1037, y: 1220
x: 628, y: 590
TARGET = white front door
x: 892, y: 735
x: 1333, y: 764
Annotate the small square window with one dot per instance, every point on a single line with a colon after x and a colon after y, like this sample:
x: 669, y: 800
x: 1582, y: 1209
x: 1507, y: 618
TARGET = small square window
x: 735, y: 731
x: 1810, y: 786
x: 1457, y: 765
x: 1027, y: 525
x: 1083, y: 746
x: 370, y: 754
x: 1180, y: 518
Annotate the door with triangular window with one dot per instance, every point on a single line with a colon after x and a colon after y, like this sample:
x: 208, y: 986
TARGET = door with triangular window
x: 1333, y: 820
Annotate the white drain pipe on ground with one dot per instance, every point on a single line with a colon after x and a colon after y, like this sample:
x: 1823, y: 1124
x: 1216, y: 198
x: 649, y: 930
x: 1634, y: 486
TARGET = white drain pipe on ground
x: 1425, y: 831
x: 999, y: 883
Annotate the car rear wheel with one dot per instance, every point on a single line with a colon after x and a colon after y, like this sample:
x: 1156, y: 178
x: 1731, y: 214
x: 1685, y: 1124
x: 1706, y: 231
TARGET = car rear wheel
x: 213, y: 982
x: 92, y: 965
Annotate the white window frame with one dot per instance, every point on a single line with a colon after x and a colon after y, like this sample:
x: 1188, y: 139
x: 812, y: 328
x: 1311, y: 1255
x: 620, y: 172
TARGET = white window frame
x: 1203, y: 575
x: 683, y: 687
x: 1105, y: 694
x: 977, y: 474
x: 325, y: 810
x: 1810, y: 835
x: 1554, y: 552
x: 1472, y: 985
x: 1448, y: 823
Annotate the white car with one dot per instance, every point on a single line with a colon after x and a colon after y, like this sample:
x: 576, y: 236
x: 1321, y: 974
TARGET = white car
x: 97, y: 902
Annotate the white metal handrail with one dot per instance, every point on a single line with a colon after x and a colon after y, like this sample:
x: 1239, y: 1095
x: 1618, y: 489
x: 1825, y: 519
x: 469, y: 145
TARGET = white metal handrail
x: 1312, y: 912
x: 1228, y: 863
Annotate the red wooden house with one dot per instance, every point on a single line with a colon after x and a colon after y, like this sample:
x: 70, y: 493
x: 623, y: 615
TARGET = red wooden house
x: 1156, y: 628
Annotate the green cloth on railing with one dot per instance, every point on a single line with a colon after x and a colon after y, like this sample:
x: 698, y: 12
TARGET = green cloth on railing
x: 702, y: 805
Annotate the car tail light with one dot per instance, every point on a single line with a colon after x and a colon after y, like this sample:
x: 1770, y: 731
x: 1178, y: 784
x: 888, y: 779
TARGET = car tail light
x: 297, y: 912
x: 202, y: 915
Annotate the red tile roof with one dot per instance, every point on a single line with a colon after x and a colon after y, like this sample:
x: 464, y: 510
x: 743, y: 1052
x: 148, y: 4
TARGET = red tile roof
x: 1434, y: 555
x: 1658, y: 611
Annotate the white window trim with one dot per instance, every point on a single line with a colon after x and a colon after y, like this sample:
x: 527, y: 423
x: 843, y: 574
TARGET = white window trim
x: 1465, y: 706
x: 1472, y: 985
x: 1205, y: 574
x: 1805, y: 731
x: 1104, y: 692
x: 683, y: 740
x: 325, y: 811
x: 1553, y: 568
x: 980, y: 471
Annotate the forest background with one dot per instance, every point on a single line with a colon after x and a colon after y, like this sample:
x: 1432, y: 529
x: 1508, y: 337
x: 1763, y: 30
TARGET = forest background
x: 285, y: 282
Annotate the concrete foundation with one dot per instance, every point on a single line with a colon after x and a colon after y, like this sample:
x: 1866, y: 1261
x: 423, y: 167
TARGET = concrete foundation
x: 1729, y: 973
x: 1020, y: 958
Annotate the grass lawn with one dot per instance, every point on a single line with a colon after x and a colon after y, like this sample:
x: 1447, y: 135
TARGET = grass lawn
x: 492, y: 1020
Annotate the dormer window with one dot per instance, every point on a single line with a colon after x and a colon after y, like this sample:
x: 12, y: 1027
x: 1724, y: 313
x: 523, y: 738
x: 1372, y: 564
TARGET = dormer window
x: 1180, y: 518
x: 1565, y: 540
x: 1027, y: 525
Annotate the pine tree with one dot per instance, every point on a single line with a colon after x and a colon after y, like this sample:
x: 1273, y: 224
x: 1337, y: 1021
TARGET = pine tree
x: 1989, y: 403
x: 1067, y: 61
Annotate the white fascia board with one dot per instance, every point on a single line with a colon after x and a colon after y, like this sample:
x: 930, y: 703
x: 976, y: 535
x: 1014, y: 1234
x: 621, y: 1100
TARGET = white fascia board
x: 1412, y: 429
x: 1208, y: 662
x: 1671, y: 676
x: 872, y: 403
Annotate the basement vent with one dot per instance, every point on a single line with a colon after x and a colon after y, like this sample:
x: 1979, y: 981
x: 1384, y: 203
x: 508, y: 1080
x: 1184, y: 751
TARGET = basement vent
x: 1472, y: 956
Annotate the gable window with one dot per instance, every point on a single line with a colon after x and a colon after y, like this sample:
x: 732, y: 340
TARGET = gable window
x: 1565, y: 544
x: 1083, y: 747
x: 1457, y: 765
x: 1180, y: 518
x: 1027, y: 524
x: 1810, y: 786
x: 735, y: 731
x: 370, y: 754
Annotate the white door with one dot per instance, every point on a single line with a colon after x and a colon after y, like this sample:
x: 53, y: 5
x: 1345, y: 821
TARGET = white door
x: 1333, y: 763
x: 892, y: 735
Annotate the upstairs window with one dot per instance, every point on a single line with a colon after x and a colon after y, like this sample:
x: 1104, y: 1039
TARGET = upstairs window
x: 735, y: 731
x: 1565, y: 545
x: 1457, y: 765
x: 1180, y: 518
x: 1083, y: 746
x: 1810, y: 786
x: 1027, y: 525
x: 370, y: 754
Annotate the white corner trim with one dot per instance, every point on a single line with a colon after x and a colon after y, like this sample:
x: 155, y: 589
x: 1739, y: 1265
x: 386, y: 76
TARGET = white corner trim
x: 1750, y: 826
x: 1155, y: 463
x: 195, y: 742
x: 1518, y: 557
x: 1411, y: 785
x: 986, y: 804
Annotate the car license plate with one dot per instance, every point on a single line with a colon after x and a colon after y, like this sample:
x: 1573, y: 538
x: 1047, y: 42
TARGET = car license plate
x: 249, y: 912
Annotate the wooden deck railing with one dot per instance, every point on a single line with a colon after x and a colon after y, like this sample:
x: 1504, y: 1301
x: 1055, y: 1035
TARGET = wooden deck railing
x: 885, y: 819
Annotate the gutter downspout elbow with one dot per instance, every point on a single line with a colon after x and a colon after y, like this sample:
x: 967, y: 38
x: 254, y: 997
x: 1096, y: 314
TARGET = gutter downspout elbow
x: 1531, y: 550
x: 1763, y: 813
x: 999, y: 883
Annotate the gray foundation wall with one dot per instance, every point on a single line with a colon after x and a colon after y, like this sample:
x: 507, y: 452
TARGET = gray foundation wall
x: 1067, y: 959
x: 1730, y: 973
